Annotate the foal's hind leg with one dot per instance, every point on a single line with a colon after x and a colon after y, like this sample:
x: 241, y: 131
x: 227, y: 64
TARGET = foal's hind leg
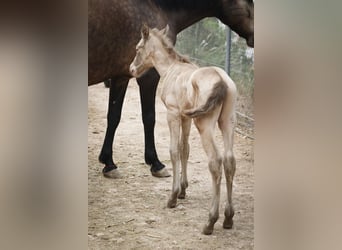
x: 226, y: 125
x: 184, y: 155
x: 206, y: 127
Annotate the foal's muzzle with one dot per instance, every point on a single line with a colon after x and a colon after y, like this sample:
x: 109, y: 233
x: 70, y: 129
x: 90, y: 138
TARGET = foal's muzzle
x: 133, y: 70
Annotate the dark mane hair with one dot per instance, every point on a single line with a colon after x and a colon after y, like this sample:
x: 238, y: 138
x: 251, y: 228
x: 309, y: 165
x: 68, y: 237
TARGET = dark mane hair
x: 167, y: 44
x: 184, y: 4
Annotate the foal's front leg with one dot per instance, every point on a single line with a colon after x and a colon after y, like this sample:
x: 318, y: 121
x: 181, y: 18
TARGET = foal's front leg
x: 174, y: 127
x: 184, y: 155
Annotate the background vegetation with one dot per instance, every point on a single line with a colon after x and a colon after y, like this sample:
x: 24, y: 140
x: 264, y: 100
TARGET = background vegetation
x: 205, y: 43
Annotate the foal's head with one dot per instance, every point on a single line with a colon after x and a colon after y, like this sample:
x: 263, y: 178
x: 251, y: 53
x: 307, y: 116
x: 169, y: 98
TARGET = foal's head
x: 153, y: 41
x: 145, y: 50
x: 239, y: 16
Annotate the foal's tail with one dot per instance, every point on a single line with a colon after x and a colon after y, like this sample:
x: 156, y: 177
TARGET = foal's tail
x: 216, y: 97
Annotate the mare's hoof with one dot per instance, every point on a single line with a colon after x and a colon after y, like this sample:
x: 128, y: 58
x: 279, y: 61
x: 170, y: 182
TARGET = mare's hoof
x: 112, y: 173
x: 161, y: 173
x: 207, y: 230
x: 228, y: 223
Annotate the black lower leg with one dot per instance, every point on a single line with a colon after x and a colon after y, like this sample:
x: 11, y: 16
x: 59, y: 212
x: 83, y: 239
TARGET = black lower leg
x: 148, y: 87
x: 116, y: 96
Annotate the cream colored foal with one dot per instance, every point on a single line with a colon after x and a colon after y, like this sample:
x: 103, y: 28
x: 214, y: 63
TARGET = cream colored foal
x: 208, y: 96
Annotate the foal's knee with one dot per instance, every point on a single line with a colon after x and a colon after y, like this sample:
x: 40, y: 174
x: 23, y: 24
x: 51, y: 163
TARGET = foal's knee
x: 184, y: 148
x: 215, y: 166
x: 229, y: 164
x: 174, y: 153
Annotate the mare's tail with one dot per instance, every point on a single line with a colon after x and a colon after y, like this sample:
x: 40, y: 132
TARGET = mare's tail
x: 216, y: 97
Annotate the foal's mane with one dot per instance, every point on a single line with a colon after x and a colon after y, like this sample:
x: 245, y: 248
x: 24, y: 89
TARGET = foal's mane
x: 167, y: 44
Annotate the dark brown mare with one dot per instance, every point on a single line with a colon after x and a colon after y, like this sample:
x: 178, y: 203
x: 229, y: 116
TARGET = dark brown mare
x: 113, y: 32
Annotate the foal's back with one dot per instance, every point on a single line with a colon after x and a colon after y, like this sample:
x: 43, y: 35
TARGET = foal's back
x: 189, y: 86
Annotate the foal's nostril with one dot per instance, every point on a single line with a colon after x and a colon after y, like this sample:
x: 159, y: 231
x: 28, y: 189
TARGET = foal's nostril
x: 131, y: 69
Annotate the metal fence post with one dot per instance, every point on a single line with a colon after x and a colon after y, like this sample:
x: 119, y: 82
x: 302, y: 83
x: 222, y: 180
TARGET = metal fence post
x: 229, y: 41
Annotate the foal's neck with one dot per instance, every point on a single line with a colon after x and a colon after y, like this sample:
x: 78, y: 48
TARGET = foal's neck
x: 162, y: 62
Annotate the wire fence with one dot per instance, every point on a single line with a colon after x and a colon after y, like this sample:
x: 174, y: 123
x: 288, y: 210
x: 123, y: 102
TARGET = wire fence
x: 205, y: 44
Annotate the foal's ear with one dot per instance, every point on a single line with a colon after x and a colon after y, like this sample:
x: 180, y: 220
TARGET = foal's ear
x: 145, y: 31
x: 166, y: 29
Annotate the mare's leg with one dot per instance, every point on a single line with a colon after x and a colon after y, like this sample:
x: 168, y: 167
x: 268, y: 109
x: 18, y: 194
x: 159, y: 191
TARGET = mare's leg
x: 184, y: 155
x: 107, y: 83
x: 174, y: 127
x: 148, y: 87
x: 227, y: 125
x: 206, y: 128
x: 116, y: 96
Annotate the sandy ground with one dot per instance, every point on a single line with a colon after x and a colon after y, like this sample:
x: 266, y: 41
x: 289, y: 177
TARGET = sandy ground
x: 131, y: 213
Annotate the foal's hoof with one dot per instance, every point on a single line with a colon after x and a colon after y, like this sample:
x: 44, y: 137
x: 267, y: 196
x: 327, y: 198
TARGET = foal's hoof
x: 182, y: 195
x: 207, y: 230
x: 110, y: 172
x: 171, y: 203
x: 161, y: 173
x: 228, y: 223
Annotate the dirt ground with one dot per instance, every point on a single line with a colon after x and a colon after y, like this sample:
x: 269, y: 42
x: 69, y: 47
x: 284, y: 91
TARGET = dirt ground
x: 131, y: 213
